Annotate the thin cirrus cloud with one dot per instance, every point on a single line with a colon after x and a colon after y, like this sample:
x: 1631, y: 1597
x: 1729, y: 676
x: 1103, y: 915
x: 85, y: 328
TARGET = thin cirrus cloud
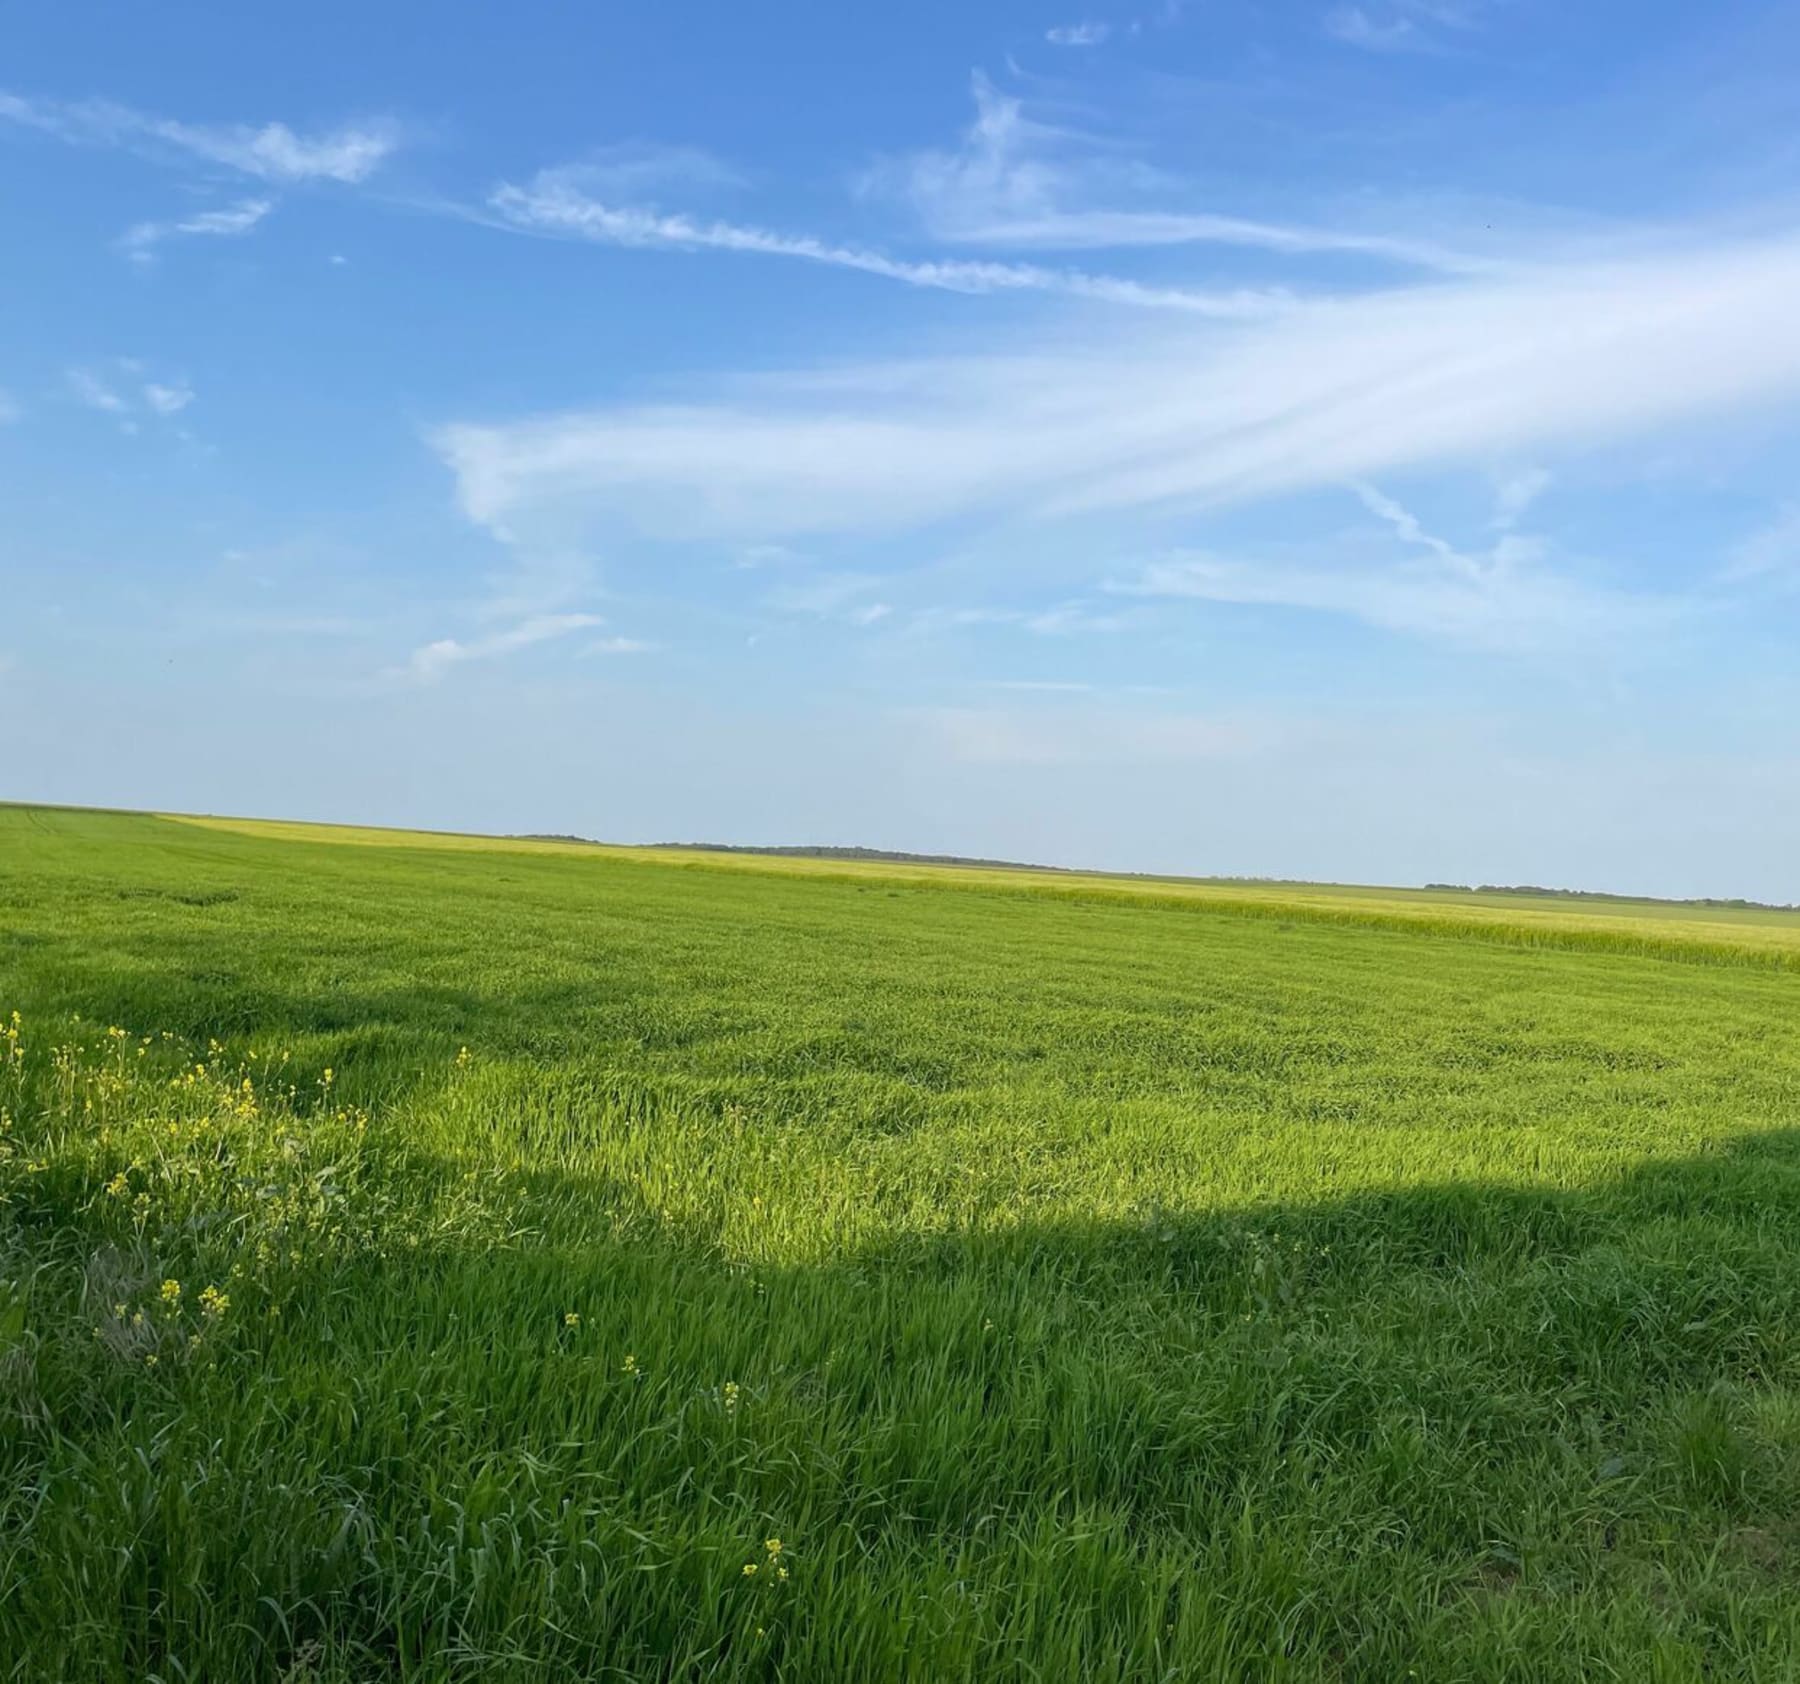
x: 1771, y: 554
x: 1502, y: 599
x: 1506, y: 598
x: 141, y: 241
x: 1101, y: 229
x: 631, y: 169
x: 1016, y: 181
x: 433, y: 660
x: 1516, y: 494
x: 167, y: 400
x: 847, y: 597
x: 1510, y: 606
x: 272, y: 152
x: 619, y: 646
x: 1140, y: 413
x: 91, y: 390
x: 124, y: 393
x: 1088, y: 34
x: 556, y: 204
x: 1401, y: 26
x: 1355, y: 27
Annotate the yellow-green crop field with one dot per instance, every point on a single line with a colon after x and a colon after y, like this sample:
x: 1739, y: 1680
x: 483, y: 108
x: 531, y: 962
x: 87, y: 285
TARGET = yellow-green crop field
x: 438, y: 1258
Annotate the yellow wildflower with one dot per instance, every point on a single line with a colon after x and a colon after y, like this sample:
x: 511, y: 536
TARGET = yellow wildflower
x: 171, y: 1292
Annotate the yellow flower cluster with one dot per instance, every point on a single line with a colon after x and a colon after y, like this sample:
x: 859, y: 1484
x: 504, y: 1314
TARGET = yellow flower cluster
x: 776, y: 1566
x: 237, y: 1178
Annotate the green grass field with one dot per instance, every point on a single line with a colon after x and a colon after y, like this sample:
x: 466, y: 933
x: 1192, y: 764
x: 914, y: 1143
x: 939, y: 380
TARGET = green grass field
x: 449, y: 1260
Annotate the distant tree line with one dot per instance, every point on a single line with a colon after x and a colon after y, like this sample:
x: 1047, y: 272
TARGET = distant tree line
x: 894, y: 856
x: 1732, y: 902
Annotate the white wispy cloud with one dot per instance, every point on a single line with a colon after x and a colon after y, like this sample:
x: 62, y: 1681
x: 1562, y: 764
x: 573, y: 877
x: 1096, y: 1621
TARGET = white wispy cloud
x: 1356, y: 28
x: 273, y: 152
x: 619, y: 646
x: 1401, y: 26
x: 638, y: 170
x: 1006, y: 164
x: 1070, y: 618
x: 1155, y: 413
x: 1503, y: 597
x: 167, y: 400
x: 1102, y: 229
x: 1406, y: 526
x: 1515, y: 494
x: 122, y: 391
x: 537, y: 581
x: 555, y: 204
x: 139, y: 242
x: 1089, y: 34
x: 1018, y: 182
x: 849, y: 597
x: 433, y: 660
x: 1514, y: 605
x: 88, y: 388
x: 1770, y: 553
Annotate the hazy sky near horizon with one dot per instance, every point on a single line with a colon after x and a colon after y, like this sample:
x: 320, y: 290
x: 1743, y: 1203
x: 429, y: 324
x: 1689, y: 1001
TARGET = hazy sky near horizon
x: 1347, y: 441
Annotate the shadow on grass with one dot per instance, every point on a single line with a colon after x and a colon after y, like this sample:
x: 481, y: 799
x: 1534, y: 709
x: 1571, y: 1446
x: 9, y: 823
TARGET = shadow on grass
x: 1473, y: 1432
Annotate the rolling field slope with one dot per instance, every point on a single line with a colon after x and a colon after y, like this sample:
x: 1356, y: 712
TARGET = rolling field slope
x: 436, y: 1258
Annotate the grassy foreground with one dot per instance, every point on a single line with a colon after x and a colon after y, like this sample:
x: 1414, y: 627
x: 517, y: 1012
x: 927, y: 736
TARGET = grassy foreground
x: 438, y: 1261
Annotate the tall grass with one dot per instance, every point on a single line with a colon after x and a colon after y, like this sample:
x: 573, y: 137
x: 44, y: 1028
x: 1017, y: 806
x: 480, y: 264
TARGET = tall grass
x: 445, y: 1264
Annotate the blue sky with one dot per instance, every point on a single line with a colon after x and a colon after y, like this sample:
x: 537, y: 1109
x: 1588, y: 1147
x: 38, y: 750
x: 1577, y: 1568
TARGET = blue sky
x: 1341, y: 441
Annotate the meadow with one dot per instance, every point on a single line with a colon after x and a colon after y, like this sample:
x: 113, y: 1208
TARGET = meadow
x: 433, y: 1258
